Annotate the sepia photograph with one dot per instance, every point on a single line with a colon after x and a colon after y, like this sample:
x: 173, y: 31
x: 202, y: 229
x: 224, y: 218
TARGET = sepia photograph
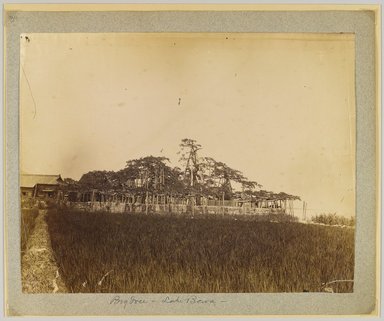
x: 175, y: 162
x: 191, y: 160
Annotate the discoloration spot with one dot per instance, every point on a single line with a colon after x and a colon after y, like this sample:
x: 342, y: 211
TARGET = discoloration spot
x: 12, y: 18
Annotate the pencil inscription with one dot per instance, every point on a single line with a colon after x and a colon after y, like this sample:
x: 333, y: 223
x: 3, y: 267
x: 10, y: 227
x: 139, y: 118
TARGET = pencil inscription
x: 124, y: 302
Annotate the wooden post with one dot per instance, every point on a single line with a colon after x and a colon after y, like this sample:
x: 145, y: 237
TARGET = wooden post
x: 146, y: 196
x: 306, y: 205
x: 191, y: 171
x: 35, y: 190
x: 223, y: 203
x: 291, y: 211
x: 304, y: 210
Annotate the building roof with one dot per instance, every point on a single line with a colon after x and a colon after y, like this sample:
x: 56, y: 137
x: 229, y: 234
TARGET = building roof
x: 30, y: 180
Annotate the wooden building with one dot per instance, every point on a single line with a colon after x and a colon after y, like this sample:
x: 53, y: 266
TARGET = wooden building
x: 40, y: 186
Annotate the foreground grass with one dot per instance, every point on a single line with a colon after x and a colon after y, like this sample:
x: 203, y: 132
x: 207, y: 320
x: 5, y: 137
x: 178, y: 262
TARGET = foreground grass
x: 130, y: 253
x: 28, y: 217
x: 39, y: 272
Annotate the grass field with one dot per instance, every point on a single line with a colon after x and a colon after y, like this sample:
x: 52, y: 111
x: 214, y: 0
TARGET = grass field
x: 132, y: 253
x: 28, y: 217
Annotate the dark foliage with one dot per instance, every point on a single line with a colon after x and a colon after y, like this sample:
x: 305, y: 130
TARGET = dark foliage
x: 334, y: 219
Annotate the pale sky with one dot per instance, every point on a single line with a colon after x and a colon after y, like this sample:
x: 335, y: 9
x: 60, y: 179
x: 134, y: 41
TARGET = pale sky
x: 278, y: 107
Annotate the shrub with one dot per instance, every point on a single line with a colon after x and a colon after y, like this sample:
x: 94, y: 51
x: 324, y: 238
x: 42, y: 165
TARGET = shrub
x: 333, y: 219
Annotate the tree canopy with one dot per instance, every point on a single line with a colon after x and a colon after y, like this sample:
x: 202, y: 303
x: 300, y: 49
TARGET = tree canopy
x: 189, y: 159
x: 202, y: 175
x: 101, y: 180
x: 150, y: 173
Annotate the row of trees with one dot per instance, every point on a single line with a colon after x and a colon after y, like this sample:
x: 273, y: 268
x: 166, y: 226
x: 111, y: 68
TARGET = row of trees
x: 197, y: 175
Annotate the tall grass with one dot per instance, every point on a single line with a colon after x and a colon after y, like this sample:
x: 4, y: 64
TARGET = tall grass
x: 27, y: 225
x: 158, y: 254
